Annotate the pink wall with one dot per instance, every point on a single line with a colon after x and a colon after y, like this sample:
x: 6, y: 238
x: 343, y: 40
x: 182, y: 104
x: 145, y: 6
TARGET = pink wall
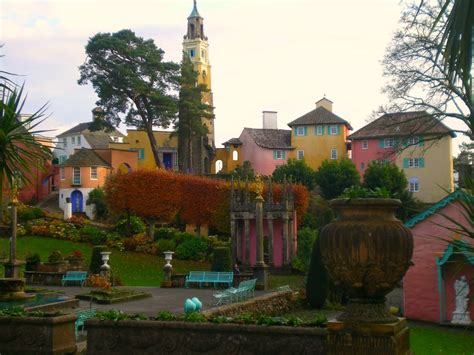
x: 420, y: 284
x: 261, y: 158
x: 373, y: 152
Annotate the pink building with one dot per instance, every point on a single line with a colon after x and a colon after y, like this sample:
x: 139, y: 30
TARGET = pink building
x: 440, y: 258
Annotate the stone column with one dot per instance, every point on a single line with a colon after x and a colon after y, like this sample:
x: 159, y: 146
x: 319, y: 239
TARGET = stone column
x: 285, y: 239
x: 247, y: 238
x: 260, y: 269
x: 270, y: 239
x: 291, y: 237
x: 233, y: 238
x: 68, y: 209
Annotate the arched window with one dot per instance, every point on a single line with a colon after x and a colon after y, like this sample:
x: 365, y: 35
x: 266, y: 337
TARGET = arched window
x: 219, y: 166
x: 235, y: 155
x: 414, y: 184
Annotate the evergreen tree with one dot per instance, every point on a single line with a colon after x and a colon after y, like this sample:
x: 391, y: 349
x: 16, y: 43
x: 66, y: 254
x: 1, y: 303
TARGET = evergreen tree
x: 317, y: 281
x: 298, y: 171
x: 192, y: 109
x: 386, y: 175
x: 334, y: 176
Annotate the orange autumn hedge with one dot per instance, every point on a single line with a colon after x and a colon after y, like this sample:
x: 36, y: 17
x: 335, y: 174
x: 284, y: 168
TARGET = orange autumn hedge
x: 160, y: 195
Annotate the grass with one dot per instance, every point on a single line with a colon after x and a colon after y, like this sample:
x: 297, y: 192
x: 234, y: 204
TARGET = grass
x: 134, y: 269
x: 427, y: 341
x: 296, y: 282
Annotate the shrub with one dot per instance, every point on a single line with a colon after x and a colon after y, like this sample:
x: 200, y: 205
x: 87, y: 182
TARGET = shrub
x: 93, y: 235
x: 181, y: 237
x: 32, y: 261
x: 26, y: 213
x: 163, y: 245
x: 97, y: 281
x: 192, y: 249
x: 130, y: 225
x: 97, y: 197
x: 165, y: 233
x: 55, y: 257
x: 96, y: 258
x: 306, y: 239
x: 317, y: 279
x: 221, y: 260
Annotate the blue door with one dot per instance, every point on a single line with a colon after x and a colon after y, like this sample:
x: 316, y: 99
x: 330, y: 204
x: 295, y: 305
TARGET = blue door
x: 168, y: 161
x: 76, y: 201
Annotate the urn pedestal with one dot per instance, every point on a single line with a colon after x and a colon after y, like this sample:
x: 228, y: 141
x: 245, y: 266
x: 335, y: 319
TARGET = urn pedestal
x: 366, y: 252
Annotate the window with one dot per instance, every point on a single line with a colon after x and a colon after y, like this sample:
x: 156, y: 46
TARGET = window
x: 414, y: 185
x: 319, y: 130
x: 93, y: 173
x: 413, y: 162
x: 389, y: 143
x: 62, y: 173
x: 235, y: 155
x: 76, y: 178
x: 365, y: 144
x: 333, y: 153
x: 278, y: 154
x: 78, y: 140
x: 73, y: 140
x: 219, y: 166
x: 362, y: 166
x: 299, y: 154
x: 334, y: 129
x: 192, y: 52
x: 65, y: 142
x: 141, y: 152
x: 300, y: 131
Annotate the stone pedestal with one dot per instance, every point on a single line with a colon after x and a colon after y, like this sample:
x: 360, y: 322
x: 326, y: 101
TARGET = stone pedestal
x: 167, y: 280
x: 13, y: 268
x: 368, y: 338
x: 68, y: 209
x: 463, y: 318
x: 260, y: 272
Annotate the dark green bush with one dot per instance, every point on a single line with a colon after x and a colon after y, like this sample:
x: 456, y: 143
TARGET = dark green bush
x: 97, y: 197
x: 93, y: 235
x: 191, y: 249
x: 32, y: 261
x: 306, y: 239
x: 96, y: 258
x: 165, y: 233
x: 181, y: 237
x: 317, y: 280
x: 55, y: 257
x: 163, y: 245
x: 221, y: 260
x: 130, y: 226
x: 26, y: 213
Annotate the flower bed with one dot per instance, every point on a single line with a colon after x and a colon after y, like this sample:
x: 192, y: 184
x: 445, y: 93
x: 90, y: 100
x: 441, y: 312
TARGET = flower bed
x: 113, y: 296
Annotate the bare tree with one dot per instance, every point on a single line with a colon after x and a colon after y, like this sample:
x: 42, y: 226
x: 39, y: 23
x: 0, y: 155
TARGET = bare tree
x: 417, y: 79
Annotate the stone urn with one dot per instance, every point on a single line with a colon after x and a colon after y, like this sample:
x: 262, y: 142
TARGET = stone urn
x: 366, y: 251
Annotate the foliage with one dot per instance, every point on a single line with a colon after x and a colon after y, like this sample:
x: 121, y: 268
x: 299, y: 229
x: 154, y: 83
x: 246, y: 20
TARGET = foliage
x: 55, y: 256
x: 26, y: 213
x: 317, y: 280
x: 130, y: 225
x: 19, y: 311
x: 296, y: 170
x: 319, y: 213
x: 96, y: 259
x: 76, y: 254
x: 163, y: 245
x: 93, y: 235
x: 334, y: 176
x: 306, y: 239
x: 97, y: 281
x: 165, y: 316
x: 141, y: 243
x: 117, y: 315
x: 165, y: 233
x: 192, y: 249
x: 195, y: 317
x: 221, y: 260
x: 191, y: 110
x: 137, y: 87
x: 244, y: 172
x: 387, y: 176
x: 54, y: 228
x: 97, y: 197
x: 20, y: 150
x: 32, y: 261
x: 363, y: 192
x: 417, y: 77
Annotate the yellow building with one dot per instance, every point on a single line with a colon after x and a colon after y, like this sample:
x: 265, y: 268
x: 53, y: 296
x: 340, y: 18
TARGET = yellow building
x: 319, y: 135
x: 137, y: 140
x: 228, y: 158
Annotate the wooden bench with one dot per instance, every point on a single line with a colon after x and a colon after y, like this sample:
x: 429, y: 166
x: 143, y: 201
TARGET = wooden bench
x: 215, y: 277
x: 82, y: 316
x: 76, y: 276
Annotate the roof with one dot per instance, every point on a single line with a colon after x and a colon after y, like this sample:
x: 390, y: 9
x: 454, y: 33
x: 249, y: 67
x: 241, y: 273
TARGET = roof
x: 319, y: 115
x: 456, y: 247
x: 270, y: 138
x: 84, y: 127
x: 85, y: 157
x: 195, y: 12
x: 98, y: 140
x: 233, y: 141
x: 403, y: 124
x: 435, y: 208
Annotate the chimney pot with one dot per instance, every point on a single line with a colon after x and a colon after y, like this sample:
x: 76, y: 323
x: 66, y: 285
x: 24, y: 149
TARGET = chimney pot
x: 270, y: 120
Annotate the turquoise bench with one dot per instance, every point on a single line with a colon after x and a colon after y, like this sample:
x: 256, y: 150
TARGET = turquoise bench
x: 214, y: 277
x: 82, y: 316
x: 75, y: 276
x: 245, y: 290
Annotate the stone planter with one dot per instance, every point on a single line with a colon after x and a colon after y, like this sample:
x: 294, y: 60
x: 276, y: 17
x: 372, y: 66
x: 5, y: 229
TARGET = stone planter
x: 58, y: 266
x: 75, y: 263
x: 37, y: 335
x: 366, y: 252
x: 154, y: 337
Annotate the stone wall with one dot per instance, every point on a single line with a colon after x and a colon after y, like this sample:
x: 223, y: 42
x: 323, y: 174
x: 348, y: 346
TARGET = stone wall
x: 271, y: 304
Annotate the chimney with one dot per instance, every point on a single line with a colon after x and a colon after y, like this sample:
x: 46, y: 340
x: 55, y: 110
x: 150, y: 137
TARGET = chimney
x: 326, y: 103
x: 270, y: 120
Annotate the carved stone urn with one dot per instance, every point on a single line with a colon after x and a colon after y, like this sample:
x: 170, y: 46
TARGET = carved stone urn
x: 366, y: 251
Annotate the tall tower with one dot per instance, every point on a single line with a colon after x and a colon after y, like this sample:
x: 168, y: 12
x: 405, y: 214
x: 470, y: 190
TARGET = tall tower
x: 195, y: 45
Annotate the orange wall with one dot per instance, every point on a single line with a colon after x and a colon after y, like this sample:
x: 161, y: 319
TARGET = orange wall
x: 86, y: 181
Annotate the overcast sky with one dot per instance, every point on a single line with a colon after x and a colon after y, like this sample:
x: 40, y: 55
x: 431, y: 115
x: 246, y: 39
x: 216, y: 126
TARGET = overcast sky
x: 280, y: 55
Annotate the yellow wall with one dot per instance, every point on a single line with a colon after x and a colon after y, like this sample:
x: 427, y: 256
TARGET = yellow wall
x: 226, y: 155
x: 318, y: 148
x: 136, y: 139
x: 436, y: 177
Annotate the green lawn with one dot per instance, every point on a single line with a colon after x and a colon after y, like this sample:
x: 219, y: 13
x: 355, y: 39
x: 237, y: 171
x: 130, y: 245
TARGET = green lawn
x: 133, y: 269
x: 427, y: 341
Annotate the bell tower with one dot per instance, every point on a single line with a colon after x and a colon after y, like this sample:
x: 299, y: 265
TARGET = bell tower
x: 195, y: 45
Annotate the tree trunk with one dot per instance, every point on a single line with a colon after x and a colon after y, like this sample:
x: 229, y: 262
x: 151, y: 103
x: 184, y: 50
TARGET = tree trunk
x: 190, y: 152
x: 153, y: 144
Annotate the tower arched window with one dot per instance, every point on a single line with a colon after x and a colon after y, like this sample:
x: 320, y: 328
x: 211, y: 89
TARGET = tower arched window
x: 235, y: 155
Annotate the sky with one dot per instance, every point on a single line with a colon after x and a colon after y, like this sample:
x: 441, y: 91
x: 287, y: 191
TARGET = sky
x: 278, y: 55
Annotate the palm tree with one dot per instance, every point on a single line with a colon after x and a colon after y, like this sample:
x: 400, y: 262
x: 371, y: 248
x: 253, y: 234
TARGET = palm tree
x: 20, y: 147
